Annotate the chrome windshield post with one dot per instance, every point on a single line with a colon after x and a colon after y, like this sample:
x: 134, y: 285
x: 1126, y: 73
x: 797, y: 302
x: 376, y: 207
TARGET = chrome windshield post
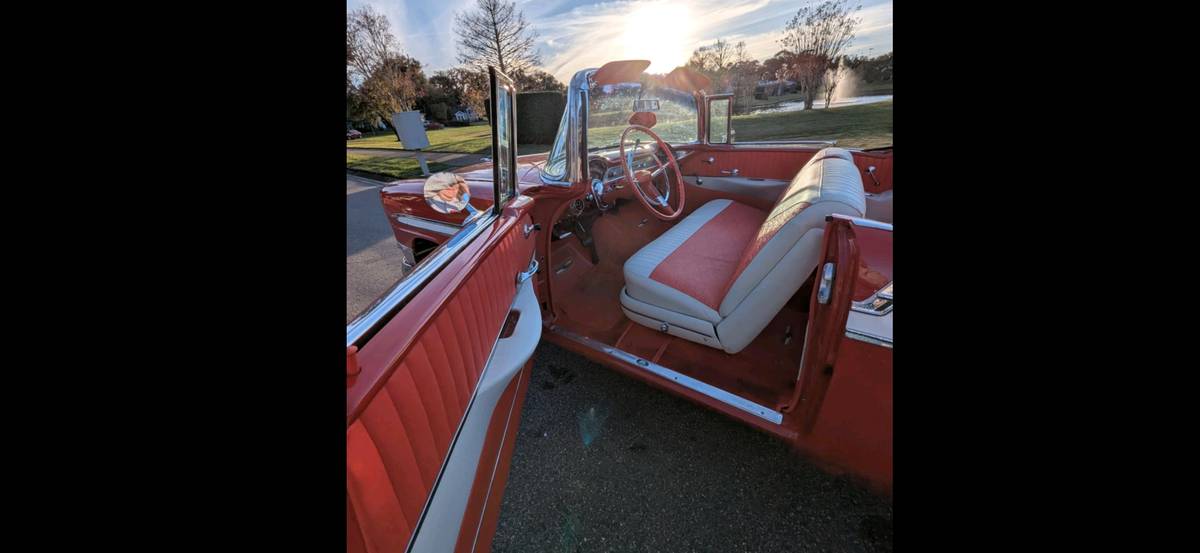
x: 570, y: 145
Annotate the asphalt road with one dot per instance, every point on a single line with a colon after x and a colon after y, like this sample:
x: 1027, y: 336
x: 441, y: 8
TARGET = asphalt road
x: 606, y: 463
x: 373, y: 262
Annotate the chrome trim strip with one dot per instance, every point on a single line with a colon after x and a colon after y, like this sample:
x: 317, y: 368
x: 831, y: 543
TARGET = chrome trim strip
x: 864, y: 306
x: 769, y: 142
x: 861, y: 222
x: 861, y: 337
x: 381, y: 310
x: 428, y: 224
x: 686, y: 381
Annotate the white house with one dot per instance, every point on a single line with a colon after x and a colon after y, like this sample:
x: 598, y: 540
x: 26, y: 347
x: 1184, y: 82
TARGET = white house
x: 466, y: 115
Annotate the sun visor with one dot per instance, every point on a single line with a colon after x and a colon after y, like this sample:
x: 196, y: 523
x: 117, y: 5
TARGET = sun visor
x: 623, y: 71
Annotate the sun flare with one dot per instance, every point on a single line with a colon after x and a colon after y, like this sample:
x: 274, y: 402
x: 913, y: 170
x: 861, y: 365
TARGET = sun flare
x: 659, y: 31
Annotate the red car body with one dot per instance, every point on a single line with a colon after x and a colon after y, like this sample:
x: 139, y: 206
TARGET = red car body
x: 827, y: 391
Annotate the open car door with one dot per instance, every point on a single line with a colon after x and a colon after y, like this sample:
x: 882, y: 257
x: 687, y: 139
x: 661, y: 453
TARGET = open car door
x: 436, y: 373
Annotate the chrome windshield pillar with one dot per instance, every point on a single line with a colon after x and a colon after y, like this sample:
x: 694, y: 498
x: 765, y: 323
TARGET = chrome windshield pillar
x: 571, y: 143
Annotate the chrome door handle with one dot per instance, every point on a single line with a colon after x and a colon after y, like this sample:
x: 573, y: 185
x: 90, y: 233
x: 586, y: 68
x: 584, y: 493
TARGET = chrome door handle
x: 710, y: 160
x: 523, y: 276
x: 733, y: 172
x: 826, y: 288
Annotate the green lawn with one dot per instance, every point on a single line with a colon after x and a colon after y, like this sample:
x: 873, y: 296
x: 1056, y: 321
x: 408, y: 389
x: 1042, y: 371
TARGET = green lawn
x: 476, y: 139
x: 394, y: 167
x: 862, y: 126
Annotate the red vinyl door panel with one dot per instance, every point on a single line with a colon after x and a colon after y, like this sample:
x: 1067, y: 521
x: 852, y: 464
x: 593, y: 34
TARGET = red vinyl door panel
x: 777, y: 163
x: 419, y: 383
x: 435, y: 373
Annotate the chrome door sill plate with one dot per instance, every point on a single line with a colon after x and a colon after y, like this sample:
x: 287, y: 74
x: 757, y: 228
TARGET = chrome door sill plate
x: 684, y: 380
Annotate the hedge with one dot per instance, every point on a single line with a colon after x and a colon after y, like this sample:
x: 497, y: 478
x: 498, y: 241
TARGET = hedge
x: 538, y: 114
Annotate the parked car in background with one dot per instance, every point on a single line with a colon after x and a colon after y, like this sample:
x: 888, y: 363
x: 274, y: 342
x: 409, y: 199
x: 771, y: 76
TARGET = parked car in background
x: 433, y: 126
x: 352, y: 134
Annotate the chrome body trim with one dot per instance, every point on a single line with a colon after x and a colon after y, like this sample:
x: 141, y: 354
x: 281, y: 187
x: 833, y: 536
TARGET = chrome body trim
x: 439, y: 227
x: 868, y: 339
x: 870, y: 327
x: 733, y: 400
x: 788, y: 142
x: 868, y: 305
x: 862, y: 222
x: 382, y: 309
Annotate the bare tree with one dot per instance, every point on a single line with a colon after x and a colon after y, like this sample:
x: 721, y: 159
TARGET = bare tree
x: 714, y: 58
x: 382, y: 79
x: 816, y: 37
x: 495, y: 34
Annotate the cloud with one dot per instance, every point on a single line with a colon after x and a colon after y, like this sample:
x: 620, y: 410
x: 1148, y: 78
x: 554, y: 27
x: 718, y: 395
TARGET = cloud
x: 576, y: 34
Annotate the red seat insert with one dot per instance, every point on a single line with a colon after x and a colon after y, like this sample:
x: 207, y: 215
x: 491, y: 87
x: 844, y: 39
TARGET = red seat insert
x: 704, y: 264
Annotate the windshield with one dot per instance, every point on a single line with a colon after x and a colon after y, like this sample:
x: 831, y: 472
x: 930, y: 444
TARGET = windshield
x: 609, y: 108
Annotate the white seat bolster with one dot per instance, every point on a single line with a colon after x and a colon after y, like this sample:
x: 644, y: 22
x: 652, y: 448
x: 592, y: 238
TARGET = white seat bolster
x: 774, y: 251
x: 770, y: 295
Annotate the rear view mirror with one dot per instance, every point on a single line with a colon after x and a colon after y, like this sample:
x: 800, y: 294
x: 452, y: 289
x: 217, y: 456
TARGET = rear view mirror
x: 645, y: 105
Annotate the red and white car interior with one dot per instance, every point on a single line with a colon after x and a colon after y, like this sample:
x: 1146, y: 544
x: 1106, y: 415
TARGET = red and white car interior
x: 751, y: 278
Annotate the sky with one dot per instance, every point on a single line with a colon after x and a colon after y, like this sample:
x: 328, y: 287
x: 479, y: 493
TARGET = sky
x: 576, y: 34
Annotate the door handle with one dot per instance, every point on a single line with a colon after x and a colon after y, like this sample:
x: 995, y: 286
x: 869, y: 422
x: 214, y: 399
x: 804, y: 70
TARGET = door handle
x: 524, y: 275
x: 826, y: 287
x: 733, y: 172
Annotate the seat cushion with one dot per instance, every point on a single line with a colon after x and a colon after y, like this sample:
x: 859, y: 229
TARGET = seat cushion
x: 829, y: 183
x: 734, y: 266
x: 687, y: 268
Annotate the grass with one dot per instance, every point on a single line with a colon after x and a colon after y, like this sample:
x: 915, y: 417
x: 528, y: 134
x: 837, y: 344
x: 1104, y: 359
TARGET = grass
x: 394, y: 167
x: 862, y: 126
x: 475, y: 139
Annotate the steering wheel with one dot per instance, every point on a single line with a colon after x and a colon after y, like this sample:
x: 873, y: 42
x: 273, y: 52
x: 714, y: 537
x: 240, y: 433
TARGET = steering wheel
x: 654, y: 198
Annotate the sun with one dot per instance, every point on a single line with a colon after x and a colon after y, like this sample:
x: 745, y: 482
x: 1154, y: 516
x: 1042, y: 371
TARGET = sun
x: 659, y: 31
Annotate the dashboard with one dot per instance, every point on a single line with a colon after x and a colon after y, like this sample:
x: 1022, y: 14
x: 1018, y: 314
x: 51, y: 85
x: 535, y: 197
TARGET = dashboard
x: 606, y: 165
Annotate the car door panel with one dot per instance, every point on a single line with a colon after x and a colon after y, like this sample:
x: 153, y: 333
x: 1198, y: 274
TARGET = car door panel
x: 773, y: 163
x: 444, y: 515
x: 760, y: 193
x: 422, y: 375
x: 435, y: 372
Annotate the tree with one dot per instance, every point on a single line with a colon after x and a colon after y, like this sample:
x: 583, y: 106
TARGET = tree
x: 467, y: 86
x: 713, y: 59
x: 382, y: 79
x: 495, y: 34
x: 534, y: 80
x: 815, y: 37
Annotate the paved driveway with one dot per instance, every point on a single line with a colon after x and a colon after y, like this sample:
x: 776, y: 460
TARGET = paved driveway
x: 373, y: 262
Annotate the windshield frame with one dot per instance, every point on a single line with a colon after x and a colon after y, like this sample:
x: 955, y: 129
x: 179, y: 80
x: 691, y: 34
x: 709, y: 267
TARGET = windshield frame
x: 570, y: 148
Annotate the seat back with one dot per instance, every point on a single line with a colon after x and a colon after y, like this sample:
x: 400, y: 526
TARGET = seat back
x: 829, y: 183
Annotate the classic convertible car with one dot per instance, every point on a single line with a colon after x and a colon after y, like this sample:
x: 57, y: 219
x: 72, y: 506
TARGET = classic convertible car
x: 754, y: 279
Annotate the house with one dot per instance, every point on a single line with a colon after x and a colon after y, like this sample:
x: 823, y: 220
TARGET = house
x: 466, y: 115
